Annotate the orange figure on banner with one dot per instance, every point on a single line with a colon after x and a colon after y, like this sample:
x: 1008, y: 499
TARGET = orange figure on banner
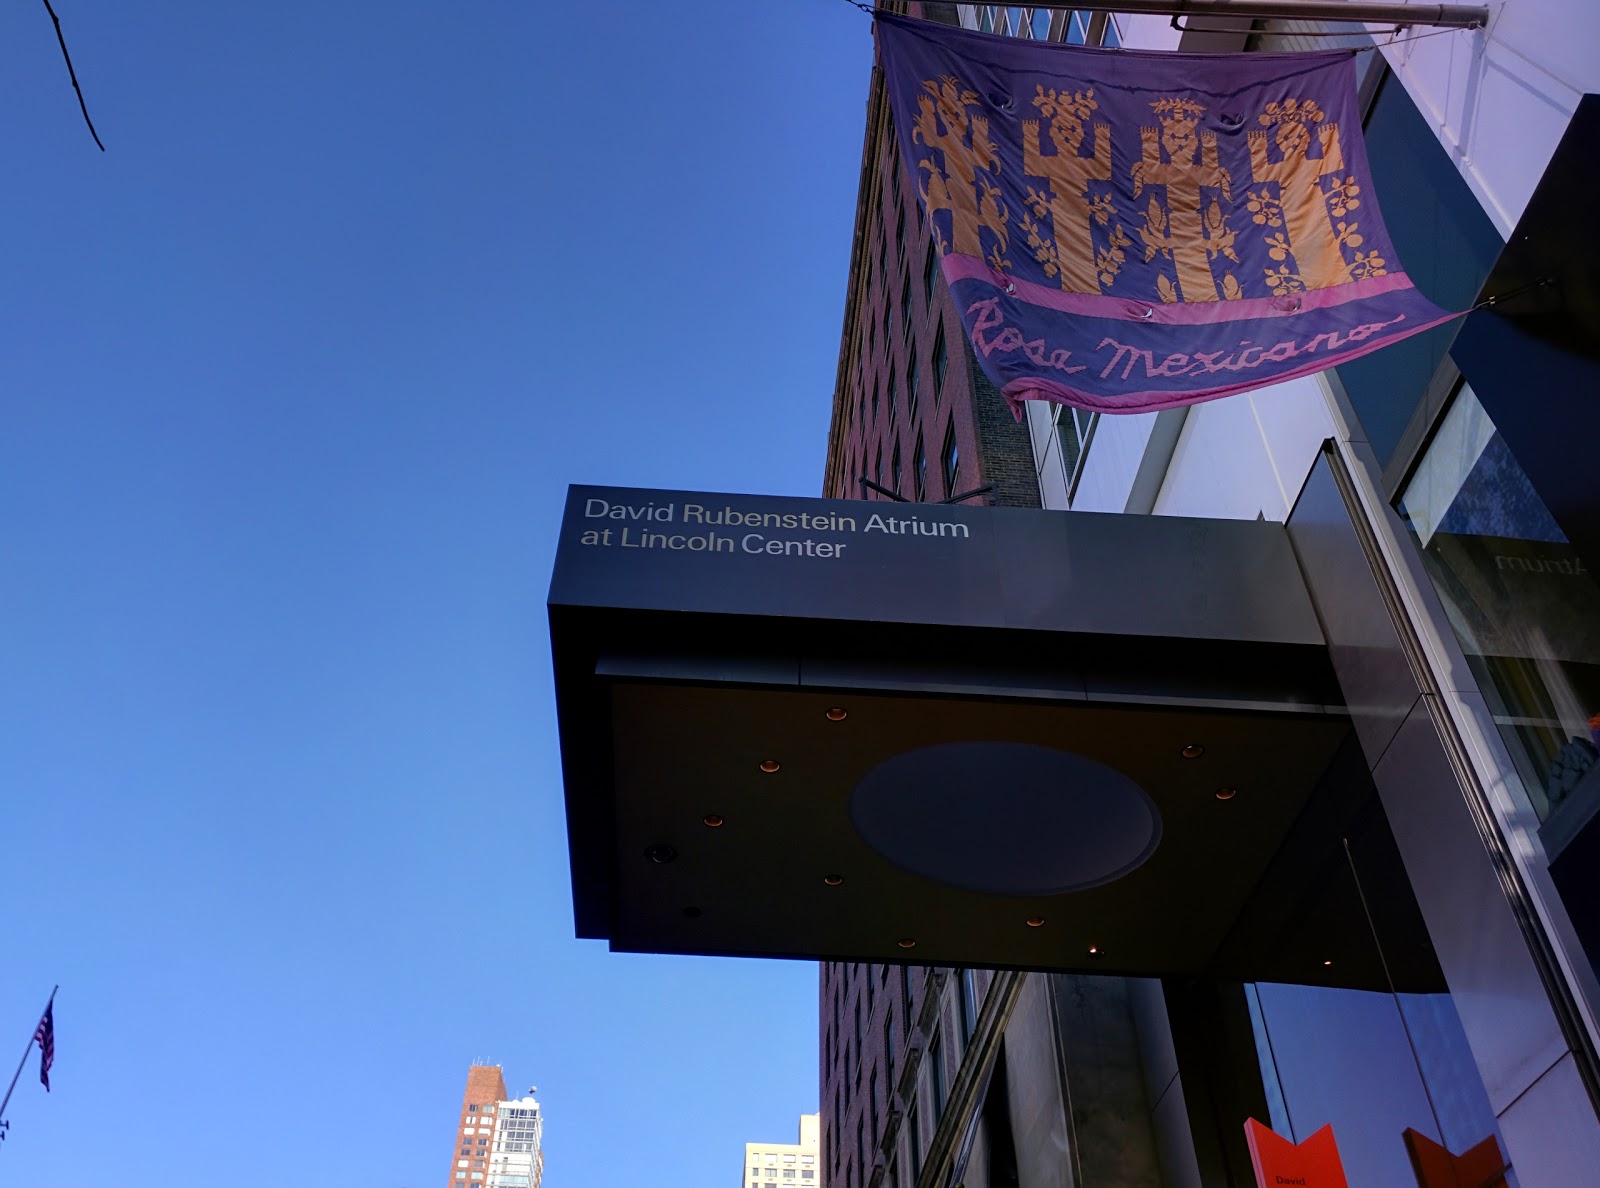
x: 1483, y: 1166
x: 1279, y: 1161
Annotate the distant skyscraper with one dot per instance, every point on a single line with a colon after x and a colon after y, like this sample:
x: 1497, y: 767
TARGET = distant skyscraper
x: 785, y: 1165
x: 517, y: 1159
x: 498, y: 1142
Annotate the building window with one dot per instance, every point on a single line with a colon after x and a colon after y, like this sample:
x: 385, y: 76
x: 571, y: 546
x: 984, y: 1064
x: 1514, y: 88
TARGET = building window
x: 807, y: 1174
x: 883, y: 259
x: 915, y: 1123
x: 892, y: 400
x: 1522, y: 605
x: 919, y: 469
x: 969, y: 1004
x: 905, y: 998
x: 905, y: 301
x: 941, y: 361
x: 911, y: 385
x: 461, y: 1163
x: 1074, y: 431
x: 950, y: 463
x: 888, y: 1044
x: 894, y: 165
x: 788, y: 1173
x: 888, y: 317
x: 930, y: 269
x: 1449, y: 245
x: 900, y: 219
x: 936, y: 1075
x: 872, y: 1101
x: 894, y: 470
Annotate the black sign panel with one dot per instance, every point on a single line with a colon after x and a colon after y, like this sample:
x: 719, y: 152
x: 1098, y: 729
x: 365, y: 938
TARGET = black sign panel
x: 930, y: 563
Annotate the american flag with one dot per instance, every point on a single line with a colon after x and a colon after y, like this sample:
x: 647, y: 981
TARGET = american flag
x: 46, y: 1039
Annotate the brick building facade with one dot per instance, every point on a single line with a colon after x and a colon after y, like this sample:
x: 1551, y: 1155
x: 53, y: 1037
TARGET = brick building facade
x: 911, y: 411
x: 486, y: 1085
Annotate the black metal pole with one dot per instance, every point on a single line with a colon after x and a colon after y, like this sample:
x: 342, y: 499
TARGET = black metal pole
x: 1377, y: 12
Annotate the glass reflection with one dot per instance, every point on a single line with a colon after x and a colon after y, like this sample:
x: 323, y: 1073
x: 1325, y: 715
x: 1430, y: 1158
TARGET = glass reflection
x: 1523, y: 605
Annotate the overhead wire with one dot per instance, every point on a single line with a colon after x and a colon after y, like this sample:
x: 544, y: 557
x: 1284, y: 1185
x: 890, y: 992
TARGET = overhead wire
x: 73, y: 74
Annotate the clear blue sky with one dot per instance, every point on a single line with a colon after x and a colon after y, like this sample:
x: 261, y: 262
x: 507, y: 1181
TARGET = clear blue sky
x: 292, y: 382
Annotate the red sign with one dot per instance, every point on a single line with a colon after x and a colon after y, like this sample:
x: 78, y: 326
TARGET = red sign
x: 1278, y: 1162
x: 1480, y: 1167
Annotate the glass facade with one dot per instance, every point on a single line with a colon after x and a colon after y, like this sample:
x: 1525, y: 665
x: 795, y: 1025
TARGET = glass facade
x: 1373, y: 1066
x: 1523, y: 606
x: 1525, y: 609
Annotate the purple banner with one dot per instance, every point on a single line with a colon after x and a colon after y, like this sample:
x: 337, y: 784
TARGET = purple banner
x: 1126, y: 231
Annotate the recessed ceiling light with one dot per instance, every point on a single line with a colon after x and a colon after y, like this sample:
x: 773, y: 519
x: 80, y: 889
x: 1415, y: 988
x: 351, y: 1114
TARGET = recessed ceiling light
x: 837, y: 714
x: 1327, y: 963
x: 712, y: 819
x: 1227, y: 793
x: 833, y: 880
x: 907, y: 942
x: 1193, y: 751
x: 770, y: 765
x: 1035, y: 921
x: 1096, y: 951
x: 661, y: 852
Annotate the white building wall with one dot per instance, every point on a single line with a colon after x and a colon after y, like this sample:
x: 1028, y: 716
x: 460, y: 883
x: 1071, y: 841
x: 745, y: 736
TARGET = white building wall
x: 1247, y: 456
x: 1112, y: 461
x: 1499, y: 99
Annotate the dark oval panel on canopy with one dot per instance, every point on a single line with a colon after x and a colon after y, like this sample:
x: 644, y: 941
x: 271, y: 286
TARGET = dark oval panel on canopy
x: 1006, y: 818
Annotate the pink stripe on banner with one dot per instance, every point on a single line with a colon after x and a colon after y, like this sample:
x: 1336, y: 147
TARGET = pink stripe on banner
x: 1155, y: 399
x: 1189, y: 313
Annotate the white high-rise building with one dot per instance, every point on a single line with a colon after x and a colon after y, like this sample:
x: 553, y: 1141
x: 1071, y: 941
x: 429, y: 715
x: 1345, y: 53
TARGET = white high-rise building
x: 785, y: 1165
x: 516, y: 1157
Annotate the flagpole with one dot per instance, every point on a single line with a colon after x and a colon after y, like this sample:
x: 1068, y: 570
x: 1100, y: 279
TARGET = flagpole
x: 23, y: 1063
